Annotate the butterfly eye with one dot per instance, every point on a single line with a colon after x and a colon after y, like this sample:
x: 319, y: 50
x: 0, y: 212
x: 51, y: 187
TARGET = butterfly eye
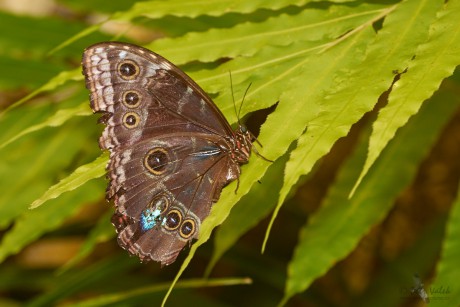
x: 156, y: 161
x: 131, y: 99
x: 172, y: 220
x: 128, y: 69
x: 243, y: 129
x: 187, y: 229
x: 131, y: 120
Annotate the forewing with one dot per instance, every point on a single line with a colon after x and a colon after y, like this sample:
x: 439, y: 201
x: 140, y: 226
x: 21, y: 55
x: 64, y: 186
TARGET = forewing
x: 166, y: 99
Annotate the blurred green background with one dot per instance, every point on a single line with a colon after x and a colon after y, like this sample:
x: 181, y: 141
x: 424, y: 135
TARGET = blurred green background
x: 325, y: 76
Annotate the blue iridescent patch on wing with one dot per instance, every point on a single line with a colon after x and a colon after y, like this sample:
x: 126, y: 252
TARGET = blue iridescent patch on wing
x: 149, y: 218
x: 207, y: 151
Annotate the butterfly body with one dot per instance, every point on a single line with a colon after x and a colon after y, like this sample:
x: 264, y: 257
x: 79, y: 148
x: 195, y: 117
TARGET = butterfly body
x: 171, y: 149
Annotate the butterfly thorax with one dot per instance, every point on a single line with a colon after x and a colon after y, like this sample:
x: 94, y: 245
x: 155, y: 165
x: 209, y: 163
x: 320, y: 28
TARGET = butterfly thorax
x: 242, y: 145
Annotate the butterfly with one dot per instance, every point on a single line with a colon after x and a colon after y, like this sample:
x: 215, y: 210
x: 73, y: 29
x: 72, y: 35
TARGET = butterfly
x: 171, y: 149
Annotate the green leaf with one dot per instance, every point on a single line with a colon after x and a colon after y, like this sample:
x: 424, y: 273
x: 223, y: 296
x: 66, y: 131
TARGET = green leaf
x: 446, y: 277
x: 33, y: 163
x: 294, y: 67
x: 320, y: 65
x: 90, y: 278
x: 97, y: 5
x: 105, y: 300
x: 23, y: 48
x: 246, y: 39
x: 249, y: 211
x: 434, y: 61
x: 346, y: 102
x: 52, y: 84
x: 102, y: 232
x: 194, y: 8
x: 32, y: 224
x: 55, y: 120
x: 78, y: 178
x: 337, y: 227
x: 417, y: 259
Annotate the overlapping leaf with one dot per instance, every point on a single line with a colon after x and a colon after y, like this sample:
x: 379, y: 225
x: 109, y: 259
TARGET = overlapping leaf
x: 346, y: 102
x: 337, y: 227
x: 433, y: 61
x: 325, y: 65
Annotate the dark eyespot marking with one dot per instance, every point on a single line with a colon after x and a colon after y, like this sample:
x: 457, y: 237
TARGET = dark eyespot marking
x: 173, y: 219
x: 131, y: 99
x: 160, y: 203
x: 156, y: 160
x: 131, y: 120
x: 187, y: 228
x: 128, y: 69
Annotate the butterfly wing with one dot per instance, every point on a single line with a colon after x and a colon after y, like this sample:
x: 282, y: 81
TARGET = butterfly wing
x: 170, y: 205
x: 170, y: 148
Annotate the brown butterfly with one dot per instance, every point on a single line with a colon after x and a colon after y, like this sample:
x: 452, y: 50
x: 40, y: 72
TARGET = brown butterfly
x: 171, y: 149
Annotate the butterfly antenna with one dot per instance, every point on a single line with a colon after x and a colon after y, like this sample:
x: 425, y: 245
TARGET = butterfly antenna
x: 244, y: 96
x: 233, y: 97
